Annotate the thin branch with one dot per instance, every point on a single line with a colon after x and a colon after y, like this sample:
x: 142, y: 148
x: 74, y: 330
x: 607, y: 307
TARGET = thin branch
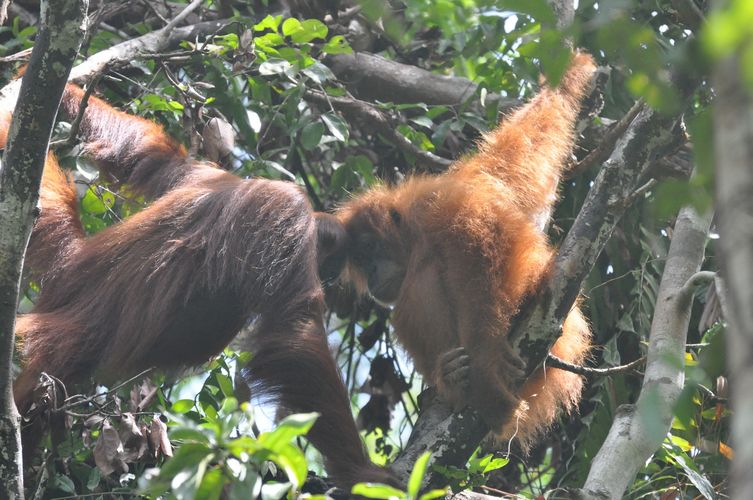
x: 73, y: 133
x: 555, y: 362
x: 72, y: 402
x: 606, y: 146
x: 689, y: 13
x: 183, y: 15
x: 363, y: 111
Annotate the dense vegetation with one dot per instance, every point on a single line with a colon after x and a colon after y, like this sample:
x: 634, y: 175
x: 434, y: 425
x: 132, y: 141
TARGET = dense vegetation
x: 273, y: 94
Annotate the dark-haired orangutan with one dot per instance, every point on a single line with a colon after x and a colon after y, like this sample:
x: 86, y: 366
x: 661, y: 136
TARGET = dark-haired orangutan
x: 458, y: 253
x: 173, y: 284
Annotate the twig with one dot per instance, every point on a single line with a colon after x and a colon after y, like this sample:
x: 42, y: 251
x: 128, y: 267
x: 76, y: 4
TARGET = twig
x: 602, y: 151
x: 362, y: 110
x: 21, y: 55
x: 555, y: 362
x: 183, y: 14
x: 640, y: 192
x: 71, y: 139
x: 689, y: 13
x: 71, y: 404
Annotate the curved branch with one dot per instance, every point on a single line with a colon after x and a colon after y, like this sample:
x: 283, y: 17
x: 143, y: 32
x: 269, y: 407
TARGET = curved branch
x: 638, y: 430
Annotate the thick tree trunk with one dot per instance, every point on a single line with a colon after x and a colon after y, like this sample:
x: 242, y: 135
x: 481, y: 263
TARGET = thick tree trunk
x: 56, y: 46
x: 733, y: 145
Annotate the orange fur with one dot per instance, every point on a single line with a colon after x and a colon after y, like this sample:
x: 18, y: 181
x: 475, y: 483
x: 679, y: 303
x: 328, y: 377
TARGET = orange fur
x: 469, y: 247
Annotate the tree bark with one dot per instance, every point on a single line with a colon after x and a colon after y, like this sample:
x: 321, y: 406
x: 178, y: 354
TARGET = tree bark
x: 56, y: 46
x: 733, y: 146
x: 639, y: 429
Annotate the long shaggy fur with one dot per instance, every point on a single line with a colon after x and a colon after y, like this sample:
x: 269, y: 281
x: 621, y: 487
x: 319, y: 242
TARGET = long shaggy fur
x: 173, y: 284
x: 473, y: 244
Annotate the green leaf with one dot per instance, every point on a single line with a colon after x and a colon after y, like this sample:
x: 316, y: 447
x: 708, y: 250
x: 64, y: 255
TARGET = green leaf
x: 293, y: 461
x: 226, y: 386
x: 275, y: 491
x: 291, y: 26
x: 337, y: 45
x: 244, y: 444
x: 95, y: 204
x: 93, y: 480
x: 269, y: 22
x: 337, y: 126
x: 211, y: 486
x: 188, y: 434
x: 319, y: 72
x: 699, y: 480
x: 92, y: 224
x: 63, y: 483
x: 311, y: 135
x: 496, y: 463
x: 376, y: 490
x: 432, y: 494
x: 250, y: 487
x: 274, y: 67
x: 288, y: 429
x: 417, y: 475
x: 537, y: 9
x: 304, y: 32
x: 182, y: 406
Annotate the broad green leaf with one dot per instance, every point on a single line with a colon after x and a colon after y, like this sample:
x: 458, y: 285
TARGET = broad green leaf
x: 274, y: 67
x: 63, y: 483
x: 226, y: 386
x: 537, y: 9
x: 211, y: 485
x: 275, y: 491
x: 97, y: 204
x: 699, y: 480
x: 337, y: 45
x: 250, y: 487
x: 186, y: 457
x: 293, y: 461
x: 312, y: 29
x: 182, y: 406
x: 337, y: 126
x: 311, y: 135
x: 189, y: 435
x: 319, y: 73
x: 376, y: 490
x: 288, y: 429
x: 269, y: 22
x: 291, y: 26
x: 93, y: 480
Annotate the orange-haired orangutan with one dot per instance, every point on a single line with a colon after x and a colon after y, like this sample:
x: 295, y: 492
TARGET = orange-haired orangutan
x: 173, y: 284
x: 458, y: 253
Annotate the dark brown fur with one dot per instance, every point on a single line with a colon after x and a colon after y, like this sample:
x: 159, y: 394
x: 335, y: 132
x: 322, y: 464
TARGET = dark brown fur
x: 173, y: 284
x: 456, y: 254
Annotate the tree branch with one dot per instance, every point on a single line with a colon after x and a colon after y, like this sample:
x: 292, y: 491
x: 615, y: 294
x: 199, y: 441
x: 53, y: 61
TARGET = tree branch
x: 124, y: 53
x: 373, y: 77
x: 638, y: 430
x: 39, y: 93
x: 376, y: 119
